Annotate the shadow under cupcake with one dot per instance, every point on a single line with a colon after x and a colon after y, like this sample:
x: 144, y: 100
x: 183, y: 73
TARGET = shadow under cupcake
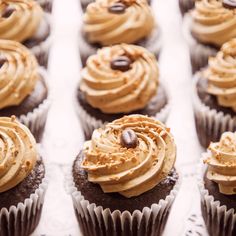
x: 207, y: 27
x: 107, y: 23
x: 217, y: 186
x: 118, y: 80
x: 124, y: 181
x: 24, y: 21
x: 215, y: 95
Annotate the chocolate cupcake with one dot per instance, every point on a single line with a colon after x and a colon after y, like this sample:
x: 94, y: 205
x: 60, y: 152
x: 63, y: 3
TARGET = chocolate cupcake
x: 85, y: 3
x: 23, y: 88
x: 215, y: 95
x: 217, y: 185
x: 108, y: 22
x: 46, y: 5
x: 186, y: 5
x: 118, y: 80
x: 124, y: 180
x: 211, y: 24
x: 22, y: 180
x: 24, y: 21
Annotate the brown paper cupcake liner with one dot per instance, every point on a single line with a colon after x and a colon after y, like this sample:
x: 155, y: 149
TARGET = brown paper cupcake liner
x: 36, y: 119
x: 46, y: 5
x: 210, y: 124
x: 94, y: 220
x: 152, y: 43
x: 199, y: 53
x: 90, y: 123
x: 41, y: 51
x: 21, y: 220
x: 219, y: 220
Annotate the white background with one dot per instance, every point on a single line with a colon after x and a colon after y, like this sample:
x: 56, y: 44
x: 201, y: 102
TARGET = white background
x: 63, y: 134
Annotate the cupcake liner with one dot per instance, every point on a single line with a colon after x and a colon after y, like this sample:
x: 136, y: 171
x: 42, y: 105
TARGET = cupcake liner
x: 219, y: 220
x: 94, y: 220
x: 210, y: 124
x: 90, y: 123
x: 46, y: 5
x: 153, y: 43
x: 36, y: 119
x: 21, y: 220
x: 41, y: 51
x: 199, y: 53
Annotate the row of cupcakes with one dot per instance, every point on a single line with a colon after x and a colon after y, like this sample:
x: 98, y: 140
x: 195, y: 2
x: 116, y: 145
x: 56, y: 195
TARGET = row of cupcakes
x: 124, y: 181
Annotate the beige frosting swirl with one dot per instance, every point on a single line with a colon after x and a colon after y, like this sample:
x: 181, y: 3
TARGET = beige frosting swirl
x: 221, y: 161
x: 114, y: 91
x: 106, y: 28
x: 18, y: 74
x: 17, y: 153
x: 213, y: 23
x: 23, y: 22
x: 130, y: 171
x: 221, y: 75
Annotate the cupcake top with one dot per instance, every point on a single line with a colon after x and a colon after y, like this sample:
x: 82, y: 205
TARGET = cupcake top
x: 18, y: 153
x: 120, y: 79
x: 129, y: 156
x: 221, y: 161
x: 214, y: 21
x: 18, y: 73
x: 20, y: 19
x: 109, y: 22
x: 221, y: 75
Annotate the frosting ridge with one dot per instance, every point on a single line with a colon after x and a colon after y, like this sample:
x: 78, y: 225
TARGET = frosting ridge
x: 130, y: 171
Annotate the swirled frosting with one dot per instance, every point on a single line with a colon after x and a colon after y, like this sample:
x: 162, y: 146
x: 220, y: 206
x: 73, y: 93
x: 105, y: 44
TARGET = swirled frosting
x: 221, y: 161
x: 130, y: 171
x: 23, y: 22
x: 106, y: 28
x: 221, y: 75
x: 18, y: 73
x: 212, y: 22
x: 17, y: 153
x: 114, y: 91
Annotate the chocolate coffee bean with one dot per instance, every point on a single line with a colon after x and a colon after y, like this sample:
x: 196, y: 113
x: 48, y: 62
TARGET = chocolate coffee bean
x: 129, y: 139
x: 117, y: 8
x: 121, y: 63
x: 230, y: 4
x: 2, y: 60
x: 8, y: 11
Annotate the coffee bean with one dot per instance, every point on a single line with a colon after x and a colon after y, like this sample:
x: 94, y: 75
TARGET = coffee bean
x: 230, y: 4
x: 121, y: 63
x: 2, y: 60
x: 8, y: 11
x: 117, y: 8
x: 129, y: 139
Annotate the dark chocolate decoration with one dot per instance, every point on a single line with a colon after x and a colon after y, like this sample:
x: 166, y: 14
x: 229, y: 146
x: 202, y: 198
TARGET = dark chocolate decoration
x: 8, y: 11
x: 129, y: 139
x: 230, y: 4
x: 2, y: 60
x: 117, y: 8
x: 121, y: 63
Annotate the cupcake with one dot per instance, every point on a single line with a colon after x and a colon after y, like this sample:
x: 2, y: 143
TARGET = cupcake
x: 215, y: 95
x: 46, y: 5
x: 124, y: 181
x: 186, y: 5
x: 209, y: 25
x: 217, y: 185
x: 24, y: 21
x: 22, y: 180
x: 85, y: 3
x: 118, y: 80
x: 23, y: 88
x: 108, y: 22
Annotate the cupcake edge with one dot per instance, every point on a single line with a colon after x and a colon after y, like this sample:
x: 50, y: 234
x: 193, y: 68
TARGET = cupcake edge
x: 209, y: 123
x: 215, y: 215
x: 25, y: 215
